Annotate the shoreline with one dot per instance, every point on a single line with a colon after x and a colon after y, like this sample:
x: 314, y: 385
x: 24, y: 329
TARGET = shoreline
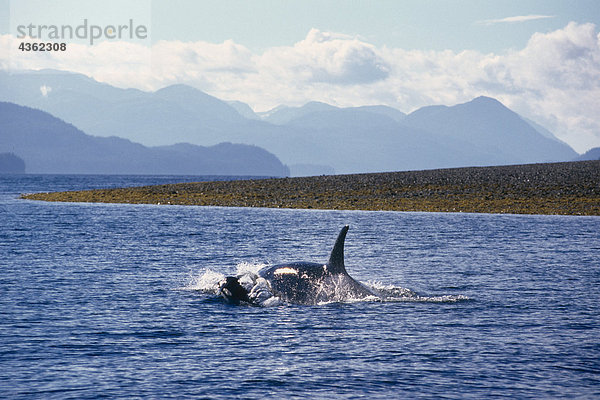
x: 567, y: 188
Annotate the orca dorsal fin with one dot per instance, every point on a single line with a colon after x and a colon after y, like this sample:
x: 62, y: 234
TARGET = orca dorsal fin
x: 335, y: 265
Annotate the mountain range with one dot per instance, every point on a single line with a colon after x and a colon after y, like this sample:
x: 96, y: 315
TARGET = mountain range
x: 313, y: 139
x: 50, y: 145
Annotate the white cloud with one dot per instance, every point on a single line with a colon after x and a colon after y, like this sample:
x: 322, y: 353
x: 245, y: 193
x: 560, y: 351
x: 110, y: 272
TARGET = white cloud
x: 554, y: 79
x: 557, y: 78
x: 515, y: 19
x: 330, y: 58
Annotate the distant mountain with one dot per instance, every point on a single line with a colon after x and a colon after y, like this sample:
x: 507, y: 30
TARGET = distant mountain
x: 497, y: 134
x: 592, y: 154
x: 318, y: 138
x: 352, y: 140
x: 49, y: 145
x: 10, y: 163
x: 543, y: 131
x: 243, y: 109
x: 177, y: 113
x: 282, y: 115
x: 390, y: 112
x: 477, y: 133
x: 197, y: 102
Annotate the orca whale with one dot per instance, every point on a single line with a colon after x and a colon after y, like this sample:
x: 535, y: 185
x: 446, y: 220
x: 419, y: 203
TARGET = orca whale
x: 304, y: 282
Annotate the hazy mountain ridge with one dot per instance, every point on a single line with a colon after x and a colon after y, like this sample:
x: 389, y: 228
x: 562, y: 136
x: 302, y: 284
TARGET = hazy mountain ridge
x: 354, y: 139
x: 170, y: 115
x: 591, y: 154
x: 492, y: 129
x: 282, y: 115
x: 10, y: 163
x: 49, y: 145
x: 477, y: 133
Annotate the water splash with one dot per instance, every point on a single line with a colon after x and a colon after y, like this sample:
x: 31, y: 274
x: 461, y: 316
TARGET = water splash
x: 258, y: 288
x: 248, y: 268
x: 390, y: 293
x: 207, y: 282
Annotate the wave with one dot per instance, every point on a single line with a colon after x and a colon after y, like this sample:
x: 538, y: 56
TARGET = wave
x: 390, y: 293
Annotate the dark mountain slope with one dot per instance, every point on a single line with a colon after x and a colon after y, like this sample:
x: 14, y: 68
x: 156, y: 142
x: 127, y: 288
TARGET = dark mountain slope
x: 49, y: 145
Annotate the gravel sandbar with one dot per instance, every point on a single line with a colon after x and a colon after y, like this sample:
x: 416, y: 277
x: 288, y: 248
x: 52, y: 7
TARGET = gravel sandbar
x: 570, y: 188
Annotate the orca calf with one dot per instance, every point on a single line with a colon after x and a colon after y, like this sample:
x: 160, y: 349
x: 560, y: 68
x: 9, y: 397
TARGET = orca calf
x: 304, y: 282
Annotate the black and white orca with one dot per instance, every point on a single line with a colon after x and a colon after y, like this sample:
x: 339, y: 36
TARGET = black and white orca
x: 304, y: 282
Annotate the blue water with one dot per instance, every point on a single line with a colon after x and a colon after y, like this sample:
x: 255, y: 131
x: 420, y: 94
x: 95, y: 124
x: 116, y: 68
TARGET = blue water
x: 114, y: 301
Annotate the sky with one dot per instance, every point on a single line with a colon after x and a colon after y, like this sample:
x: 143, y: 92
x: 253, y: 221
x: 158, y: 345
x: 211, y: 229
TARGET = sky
x: 539, y: 58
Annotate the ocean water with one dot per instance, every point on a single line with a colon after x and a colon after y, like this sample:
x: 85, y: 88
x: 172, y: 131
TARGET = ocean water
x: 118, y: 301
